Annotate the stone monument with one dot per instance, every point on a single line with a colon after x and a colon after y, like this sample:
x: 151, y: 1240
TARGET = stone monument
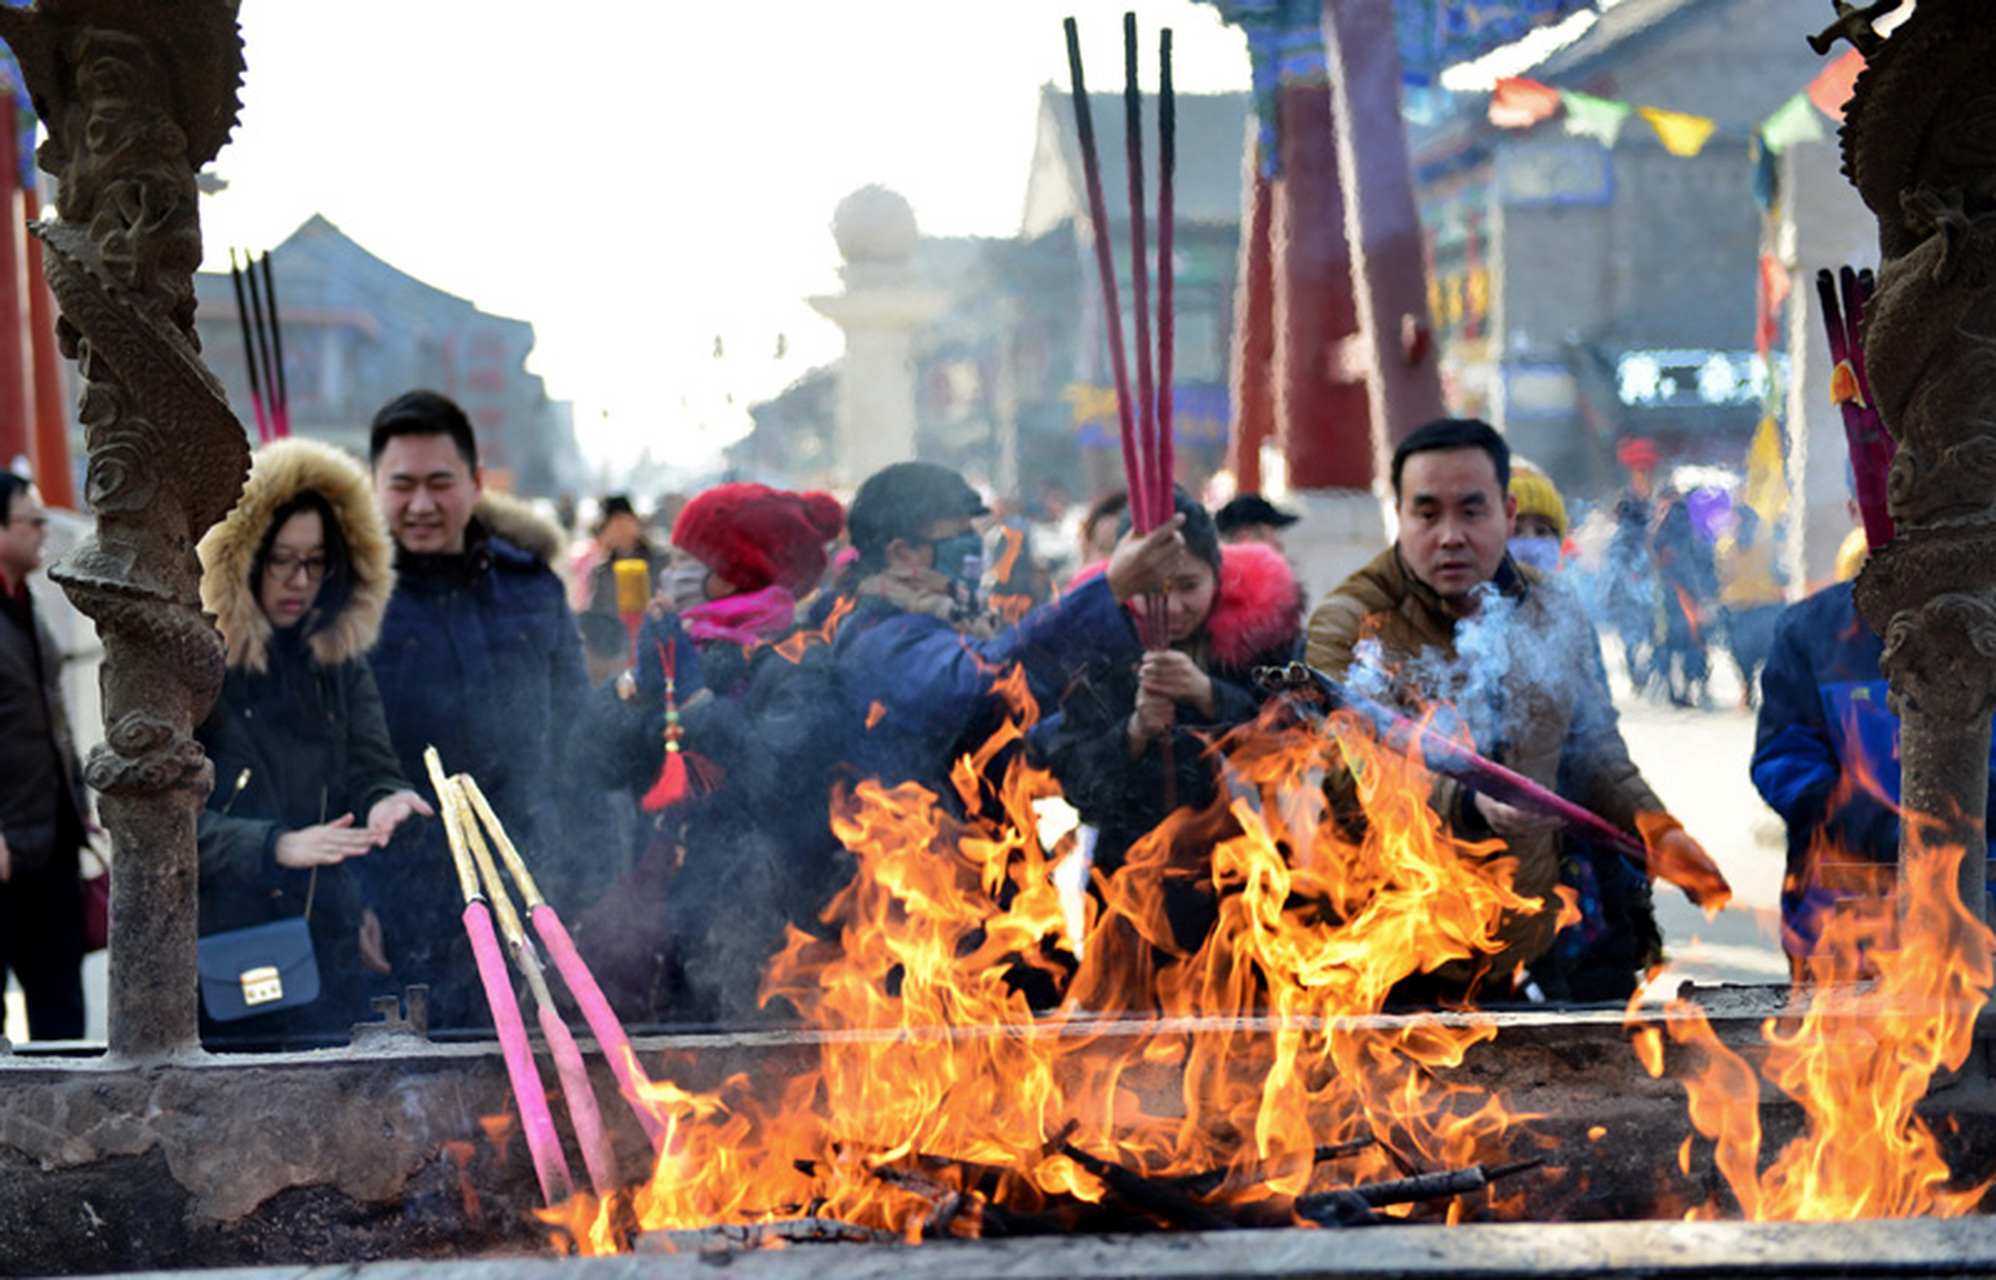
x: 885, y: 302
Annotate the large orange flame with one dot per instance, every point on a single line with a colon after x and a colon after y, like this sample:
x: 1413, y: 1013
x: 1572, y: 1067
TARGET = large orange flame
x: 1897, y: 984
x: 1238, y: 1059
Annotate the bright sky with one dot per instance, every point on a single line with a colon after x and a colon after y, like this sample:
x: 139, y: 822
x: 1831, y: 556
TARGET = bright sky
x: 635, y: 179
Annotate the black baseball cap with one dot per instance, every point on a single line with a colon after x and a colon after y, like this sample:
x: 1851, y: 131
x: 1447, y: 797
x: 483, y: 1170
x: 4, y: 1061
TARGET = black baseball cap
x: 1251, y: 508
x: 902, y: 500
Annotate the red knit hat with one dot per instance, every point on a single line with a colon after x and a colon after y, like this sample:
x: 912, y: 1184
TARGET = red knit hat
x: 754, y: 536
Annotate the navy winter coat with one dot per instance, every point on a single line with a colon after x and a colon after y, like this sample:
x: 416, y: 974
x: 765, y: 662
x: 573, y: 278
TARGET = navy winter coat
x: 480, y: 657
x: 923, y: 691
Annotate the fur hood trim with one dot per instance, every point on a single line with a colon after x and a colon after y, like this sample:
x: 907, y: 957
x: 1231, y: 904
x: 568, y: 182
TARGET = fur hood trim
x: 279, y: 471
x: 1259, y: 615
x: 515, y: 520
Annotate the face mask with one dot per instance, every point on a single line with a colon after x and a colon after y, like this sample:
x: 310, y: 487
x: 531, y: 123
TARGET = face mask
x: 1540, y: 553
x: 960, y: 558
x: 685, y: 583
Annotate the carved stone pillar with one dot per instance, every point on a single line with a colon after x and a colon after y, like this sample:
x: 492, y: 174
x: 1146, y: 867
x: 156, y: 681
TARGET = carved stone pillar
x: 1920, y: 145
x: 137, y: 97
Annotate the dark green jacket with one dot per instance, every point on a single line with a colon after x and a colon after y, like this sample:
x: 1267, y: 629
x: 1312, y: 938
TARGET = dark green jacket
x: 293, y: 746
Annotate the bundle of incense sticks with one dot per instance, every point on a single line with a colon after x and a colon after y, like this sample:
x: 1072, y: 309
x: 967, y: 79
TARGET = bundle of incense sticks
x: 468, y: 823
x: 263, y: 345
x: 1145, y: 419
x: 1871, y: 447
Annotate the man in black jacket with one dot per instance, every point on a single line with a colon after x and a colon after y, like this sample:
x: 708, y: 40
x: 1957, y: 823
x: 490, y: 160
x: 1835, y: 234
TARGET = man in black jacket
x: 479, y: 657
x: 41, y: 792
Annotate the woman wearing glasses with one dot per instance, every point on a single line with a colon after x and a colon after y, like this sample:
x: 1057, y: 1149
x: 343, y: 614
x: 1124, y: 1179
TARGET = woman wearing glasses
x: 298, y: 576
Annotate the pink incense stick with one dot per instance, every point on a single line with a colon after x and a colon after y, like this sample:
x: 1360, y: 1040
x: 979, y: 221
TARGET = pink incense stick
x: 1167, y: 208
x: 610, y: 1037
x: 609, y: 1032
x: 550, y: 1166
x: 590, y: 1134
x: 1156, y: 507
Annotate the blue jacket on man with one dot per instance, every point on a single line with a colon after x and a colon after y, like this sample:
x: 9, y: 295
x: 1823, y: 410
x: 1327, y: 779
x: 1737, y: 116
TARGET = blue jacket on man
x: 479, y: 657
x: 926, y: 692
x: 1826, y: 755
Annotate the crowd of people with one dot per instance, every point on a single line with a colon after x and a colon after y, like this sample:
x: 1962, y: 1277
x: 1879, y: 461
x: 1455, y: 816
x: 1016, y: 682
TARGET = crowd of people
x: 662, y: 715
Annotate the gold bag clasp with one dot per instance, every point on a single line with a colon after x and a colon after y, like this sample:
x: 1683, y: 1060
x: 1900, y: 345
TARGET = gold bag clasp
x: 262, y: 985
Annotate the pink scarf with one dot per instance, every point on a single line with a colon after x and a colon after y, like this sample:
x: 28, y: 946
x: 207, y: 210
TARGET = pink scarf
x: 745, y: 619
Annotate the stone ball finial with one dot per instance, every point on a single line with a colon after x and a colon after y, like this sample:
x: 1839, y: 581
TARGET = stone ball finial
x: 874, y: 224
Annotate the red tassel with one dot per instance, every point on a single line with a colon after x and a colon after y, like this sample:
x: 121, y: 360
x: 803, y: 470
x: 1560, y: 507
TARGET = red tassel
x: 673, y: 781
x: 671, y: 785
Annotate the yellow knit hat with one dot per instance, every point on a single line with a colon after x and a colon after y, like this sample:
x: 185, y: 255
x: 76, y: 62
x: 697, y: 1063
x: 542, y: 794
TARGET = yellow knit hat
x: 1537, y: 495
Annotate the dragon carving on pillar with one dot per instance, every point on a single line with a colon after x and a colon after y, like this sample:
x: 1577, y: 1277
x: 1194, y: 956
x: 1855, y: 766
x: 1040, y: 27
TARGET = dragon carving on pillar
x: 136, y: 98
x: 1919, y: 143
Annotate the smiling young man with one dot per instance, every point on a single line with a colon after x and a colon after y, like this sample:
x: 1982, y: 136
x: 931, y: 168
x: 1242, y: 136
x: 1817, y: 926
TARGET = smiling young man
x: 480, y: 657
x: 1446, y: 616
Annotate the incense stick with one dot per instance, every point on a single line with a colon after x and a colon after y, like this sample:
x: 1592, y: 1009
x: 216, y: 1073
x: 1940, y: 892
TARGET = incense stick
x: 609, y: 1032
x: 1167, y: 211
x: 1148, y: 513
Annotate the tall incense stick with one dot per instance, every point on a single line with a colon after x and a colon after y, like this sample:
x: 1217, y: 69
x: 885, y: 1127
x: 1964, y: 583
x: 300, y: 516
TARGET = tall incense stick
x: 1105, y: 265
x: 1167, y: 209
x: 616, y: 1046
x: 1148, y: 513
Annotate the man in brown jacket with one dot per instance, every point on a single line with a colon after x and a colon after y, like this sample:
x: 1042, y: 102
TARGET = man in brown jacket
x: 1445, y: 622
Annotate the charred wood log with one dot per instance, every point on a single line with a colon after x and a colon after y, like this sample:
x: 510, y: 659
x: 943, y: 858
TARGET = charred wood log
x: 1338, y: 1206
x: 1146, y: 1195
x: 728, y: 1237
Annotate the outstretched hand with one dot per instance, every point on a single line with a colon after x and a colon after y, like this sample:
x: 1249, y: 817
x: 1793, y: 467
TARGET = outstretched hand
x: 392, y: 811
x: 325, y: 845
x: 1676, y: 857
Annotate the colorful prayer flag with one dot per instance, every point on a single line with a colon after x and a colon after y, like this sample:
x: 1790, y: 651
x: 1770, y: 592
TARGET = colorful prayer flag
x: 1590, y: 117
x: 1682, y: 135
x: 1766, y: 487
x: 1832, y: 88
x: 1519, y: 104
x: 1794, y: 121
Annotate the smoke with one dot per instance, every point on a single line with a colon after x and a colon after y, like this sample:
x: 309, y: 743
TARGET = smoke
x: 1515, y: 660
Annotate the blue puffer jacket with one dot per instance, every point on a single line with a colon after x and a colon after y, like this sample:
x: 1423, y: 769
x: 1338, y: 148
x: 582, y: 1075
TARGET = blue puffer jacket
x: 925, y: 692
x: 480, y: 657
x: 1824, y: 728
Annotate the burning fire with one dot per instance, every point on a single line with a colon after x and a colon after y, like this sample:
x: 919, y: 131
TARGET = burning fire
x: 1232, y: 1068
x: 1899, y: 982
x: 1246, y: 1072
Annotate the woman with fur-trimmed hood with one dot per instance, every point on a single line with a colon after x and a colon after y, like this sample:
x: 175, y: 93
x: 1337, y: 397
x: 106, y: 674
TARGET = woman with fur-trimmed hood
x: 1228, y: 610
x: 298, y: 577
